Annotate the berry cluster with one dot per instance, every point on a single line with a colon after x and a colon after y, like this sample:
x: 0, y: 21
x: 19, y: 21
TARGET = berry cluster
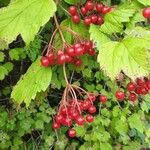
x: 146, y: 12
x: 140, y: 87
x: 70, y: 55
x: 91, y: 12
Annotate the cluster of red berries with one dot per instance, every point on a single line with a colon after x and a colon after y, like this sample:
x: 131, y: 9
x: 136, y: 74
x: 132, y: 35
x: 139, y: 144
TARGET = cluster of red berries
x: 91, y: 13
x: 140, y: 87
x: 71, y: 55
x: 72, y: 113
x: 146, y: 12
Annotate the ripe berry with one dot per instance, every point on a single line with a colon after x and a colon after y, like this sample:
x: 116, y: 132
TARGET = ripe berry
x: 72, y: 133
x: 92, y: 52
x: 92, y: 109
x: 59, y: 118
x: 79, y: 51
x: 132, y: 97
x: 94, y: 19
x: 99, y: 7
x: 86, y: 104
x: 120, y: 95
x: 55, y: 125
x: 74, y: 115
x: 131, y: 86
x: 68, y: 122
x: 50, y: 57
x: 143, y: 90
x: 61, y: 59
x: 68, y: 58
x: 140, y: 82
x: 89, y: 118
x: 80, y: 120
x: 103, y: 99
x: 89, y: 5
x: 92, y: 97
x: 88, y: 44
x: 105, y: 10
x: 64, y: 111
x: 44, y: 61
x: 83, y: 10
x: 77, y: 45
x: 87, y: 21
x: 78, y: 63
x: 72, y: 10
x: 76, y: 19
x: 100, y: 20
x: 60, y: 52
x: 70, y: 51
x: 148, y: 84
x: 146, y: 12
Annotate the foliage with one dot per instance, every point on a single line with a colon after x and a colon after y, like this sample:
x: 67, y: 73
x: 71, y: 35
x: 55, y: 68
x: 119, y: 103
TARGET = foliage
x: 30, y: 94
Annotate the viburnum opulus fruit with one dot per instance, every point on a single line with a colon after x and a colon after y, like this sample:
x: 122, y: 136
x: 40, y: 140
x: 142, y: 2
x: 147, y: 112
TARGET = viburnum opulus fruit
x: 146, y: 12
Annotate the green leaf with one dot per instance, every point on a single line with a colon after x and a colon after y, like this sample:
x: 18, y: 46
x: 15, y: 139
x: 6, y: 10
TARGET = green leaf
x: 2, y: 56
x: 115, y: 19
x: 97, y: 36
x: 135, y: 122
x: 36, y: 79
x: 131, y: 56
x: 74, y: 1
x: 80, y: 131
x: 144, y: 2
x: 105, y: 146
x: 24, y: 17
x: 9, y: 66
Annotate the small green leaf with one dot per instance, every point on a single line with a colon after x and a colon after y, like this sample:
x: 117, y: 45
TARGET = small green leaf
x: 9, y: 66
x: 105, y: 146
x: 74, y: 1
x: 135, y: 122
x: 2, y: 56
x: 35, y: 80
x: 3, y: 72
x: 80, y: 131
x: 144, y: 2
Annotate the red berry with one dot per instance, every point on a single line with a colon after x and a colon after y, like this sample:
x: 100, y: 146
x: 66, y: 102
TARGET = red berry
x: 148, y: 84
x: 89, y: 5
x: 92, y: 52
x: 105, y: 10
x: 140, y: 82
x: 88, y: 44
x: 44, y: 61
x: 89, y: 118
x: 60, y: 52
x: 131, y: 86
x: 146, y: 12
x: 132, y: 97
x: 68, y: 122
x: 70, y: 51
x: 138, y: 90
x: 99, y: 7
x: 80, y: 120
x: 86, y: 104
x: 120, y: 95
x: 92, y: 97
x: 103, y: 99
x: 94, y: 19
x: 87, y: 21
x: 79, y: 51
x: 68, y: 58
x: 100, y: 20
x: 72, y: 133
x: 143, y: 90
x: 76, y: 19
x: 77, y: 45
x: 59, y: 118
x: 55, y: 125
x: 51, y: 58
x: 78, y: 62
x: 61, y: 59
x: 83, y: 10
x: 64, y: 111
x: 72, y: 10
x: 92, y: 109
x: 74, y: 115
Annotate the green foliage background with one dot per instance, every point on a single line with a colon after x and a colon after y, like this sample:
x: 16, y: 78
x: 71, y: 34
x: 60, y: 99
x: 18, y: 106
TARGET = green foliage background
x: 30, y: 94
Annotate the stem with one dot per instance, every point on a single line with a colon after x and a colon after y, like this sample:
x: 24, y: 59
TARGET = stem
x: 65, y: 75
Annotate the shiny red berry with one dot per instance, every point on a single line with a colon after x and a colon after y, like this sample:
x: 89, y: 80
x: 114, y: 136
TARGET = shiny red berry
x: 143, y: 90
x: 44, y: 61
x: 79, y: 51
x: 99, y: 7
x: 68, y: 121
x: 94, y: 19
x: 132, y: 97
x: 92, y: 97
x: 72, y: 10
x: 120, y: 95
x: 72, y: 133
x: 92, y: 52
x: 148, y: 84
x: 103, y: 99
x: 92, y: 109
x: 78, y: 63
x: 105, y: 10
x: 140, y: 82
x: 88, y: 44
x: 146, y: 13
x: 80, y: 120
x: 76, y: 19
x: 89, y: 118
x: 89, y: 5
x: 61, y: 59
x: 83, y: 10
x: 55, y: 125
x: 131, y: 86
x: 87, y: 21
x: 59, y: 118
x: 100, y: 20
x: 70, y: 51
